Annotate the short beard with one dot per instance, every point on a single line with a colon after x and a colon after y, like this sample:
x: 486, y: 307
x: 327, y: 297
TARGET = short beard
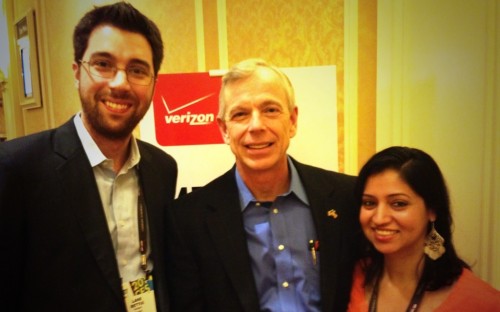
x: 98, y: 124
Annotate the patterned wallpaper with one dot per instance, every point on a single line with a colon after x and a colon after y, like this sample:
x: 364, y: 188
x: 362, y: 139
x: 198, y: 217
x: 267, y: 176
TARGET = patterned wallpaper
x: 178, y: 26
x: 286, y: 32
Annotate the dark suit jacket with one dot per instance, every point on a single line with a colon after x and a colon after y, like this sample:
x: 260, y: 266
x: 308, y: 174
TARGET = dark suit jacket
x: 209, y: 266
x: 57, y: 253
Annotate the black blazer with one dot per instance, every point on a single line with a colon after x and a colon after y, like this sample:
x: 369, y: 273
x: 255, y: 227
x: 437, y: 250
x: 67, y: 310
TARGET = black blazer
x: 209, y: 266
x: 57, y: 253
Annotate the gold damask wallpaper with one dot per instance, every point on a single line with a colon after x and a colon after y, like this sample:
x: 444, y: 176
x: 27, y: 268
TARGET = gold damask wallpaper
x: 178, y: 27
x: 286, y: 32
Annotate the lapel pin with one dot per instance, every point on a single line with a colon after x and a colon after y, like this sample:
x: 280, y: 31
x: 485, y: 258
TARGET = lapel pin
x: 332, y: 213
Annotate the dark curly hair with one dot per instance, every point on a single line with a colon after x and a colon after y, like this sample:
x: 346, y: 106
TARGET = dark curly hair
x: 422, y: 174
x: 121, y: 15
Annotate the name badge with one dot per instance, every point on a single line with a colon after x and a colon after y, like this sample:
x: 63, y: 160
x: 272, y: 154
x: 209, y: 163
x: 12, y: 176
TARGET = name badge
x: 139, y: 295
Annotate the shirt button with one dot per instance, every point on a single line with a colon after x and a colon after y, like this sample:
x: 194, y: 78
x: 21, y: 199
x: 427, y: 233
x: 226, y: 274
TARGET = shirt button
x: 285, y: 284
x: 275, y: 210
x: 281, y: 247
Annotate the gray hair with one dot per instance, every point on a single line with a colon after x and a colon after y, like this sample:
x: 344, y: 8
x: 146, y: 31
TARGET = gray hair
x: 247, y: 68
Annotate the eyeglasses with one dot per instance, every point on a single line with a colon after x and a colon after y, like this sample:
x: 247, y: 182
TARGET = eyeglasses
x: 137, y: 74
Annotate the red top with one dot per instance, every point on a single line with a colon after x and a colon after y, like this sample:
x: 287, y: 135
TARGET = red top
x: 469, y: 293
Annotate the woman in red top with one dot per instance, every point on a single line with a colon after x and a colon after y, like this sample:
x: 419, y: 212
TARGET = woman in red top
x: 409, y: 262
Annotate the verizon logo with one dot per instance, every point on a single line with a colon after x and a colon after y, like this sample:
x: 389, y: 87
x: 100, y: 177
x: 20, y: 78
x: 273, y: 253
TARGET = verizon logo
x: 188, y: 118
x: 191, y: 119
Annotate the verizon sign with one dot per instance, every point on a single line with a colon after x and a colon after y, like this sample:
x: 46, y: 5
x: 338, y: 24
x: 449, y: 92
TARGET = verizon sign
x: 185, y: 109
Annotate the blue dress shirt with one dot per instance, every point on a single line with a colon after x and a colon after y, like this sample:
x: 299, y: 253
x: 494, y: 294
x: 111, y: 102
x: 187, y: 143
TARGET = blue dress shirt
x: 279, y: 236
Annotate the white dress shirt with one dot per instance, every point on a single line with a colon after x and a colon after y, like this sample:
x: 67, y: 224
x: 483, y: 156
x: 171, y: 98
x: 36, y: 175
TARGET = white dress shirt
x: 119, y: 195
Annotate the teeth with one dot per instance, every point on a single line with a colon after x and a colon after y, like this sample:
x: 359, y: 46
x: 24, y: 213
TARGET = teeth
x: 258, y: 146
x: 116, y: 105
x: 384, y: 232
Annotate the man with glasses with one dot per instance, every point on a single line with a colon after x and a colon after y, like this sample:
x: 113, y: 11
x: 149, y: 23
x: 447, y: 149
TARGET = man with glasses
x: 137, y: 74
x: 82, y: 206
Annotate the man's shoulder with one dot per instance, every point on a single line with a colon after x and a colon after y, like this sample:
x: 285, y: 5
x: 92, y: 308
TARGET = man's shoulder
x: 220, y: 188
x: 154, y: 151
x: 33, y: 144
x: 309, y: 171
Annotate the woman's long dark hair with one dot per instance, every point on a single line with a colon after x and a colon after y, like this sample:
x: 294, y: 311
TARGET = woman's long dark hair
x: 422, y: 174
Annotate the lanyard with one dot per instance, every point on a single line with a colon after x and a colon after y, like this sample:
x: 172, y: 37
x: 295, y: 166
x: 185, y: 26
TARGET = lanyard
x: 414, y: 302
x: 143, y: 226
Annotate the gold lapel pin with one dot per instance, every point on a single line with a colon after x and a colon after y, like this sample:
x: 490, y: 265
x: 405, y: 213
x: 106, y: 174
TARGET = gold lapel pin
x: 332, y: 213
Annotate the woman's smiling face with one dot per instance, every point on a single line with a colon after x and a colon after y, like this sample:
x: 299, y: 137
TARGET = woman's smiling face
x: 394, y: 218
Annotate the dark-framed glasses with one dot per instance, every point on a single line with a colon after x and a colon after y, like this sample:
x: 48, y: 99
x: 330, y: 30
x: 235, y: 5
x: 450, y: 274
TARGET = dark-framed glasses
x: 137, y: 74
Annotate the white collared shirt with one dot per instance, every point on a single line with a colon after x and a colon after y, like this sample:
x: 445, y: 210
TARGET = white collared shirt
x: 119, y: 195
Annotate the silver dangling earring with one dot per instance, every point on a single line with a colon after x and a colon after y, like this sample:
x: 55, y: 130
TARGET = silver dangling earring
x: 434, y: 244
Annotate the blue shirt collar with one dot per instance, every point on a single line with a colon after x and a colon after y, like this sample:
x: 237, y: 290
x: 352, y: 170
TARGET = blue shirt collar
x: 296, y: 187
